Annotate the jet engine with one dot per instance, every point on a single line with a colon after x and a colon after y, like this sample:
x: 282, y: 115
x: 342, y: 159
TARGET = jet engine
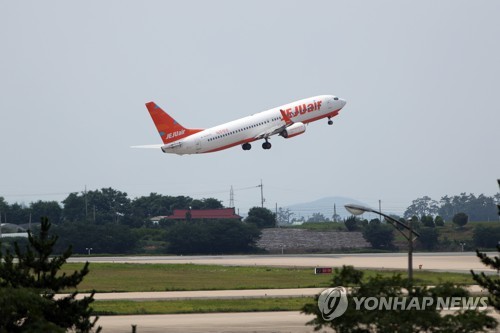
x: 293, y: 130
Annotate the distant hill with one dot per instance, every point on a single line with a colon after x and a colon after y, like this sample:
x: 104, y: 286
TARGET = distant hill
x: 325, y: 207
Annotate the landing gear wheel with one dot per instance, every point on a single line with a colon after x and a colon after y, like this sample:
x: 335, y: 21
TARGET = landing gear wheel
x: 266, y: 145
x: 246, y: 146
x: 330, y: 122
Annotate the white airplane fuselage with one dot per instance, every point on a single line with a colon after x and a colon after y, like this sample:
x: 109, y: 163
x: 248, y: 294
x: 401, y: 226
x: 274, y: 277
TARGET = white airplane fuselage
x: 287, y: 120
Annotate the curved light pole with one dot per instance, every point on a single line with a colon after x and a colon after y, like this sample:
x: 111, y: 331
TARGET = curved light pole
x: 410, y: 237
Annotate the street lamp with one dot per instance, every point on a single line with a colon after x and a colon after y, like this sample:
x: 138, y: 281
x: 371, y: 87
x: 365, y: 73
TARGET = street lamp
x: 88, y: 250
x: 462, y: 244
x: 410, y: 237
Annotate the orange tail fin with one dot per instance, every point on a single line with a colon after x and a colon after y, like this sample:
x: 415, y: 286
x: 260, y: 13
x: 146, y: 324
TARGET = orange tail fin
x: 167, y: 127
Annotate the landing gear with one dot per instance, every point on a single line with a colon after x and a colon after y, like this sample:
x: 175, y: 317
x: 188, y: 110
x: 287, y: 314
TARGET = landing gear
x: 266, y: 145
x: 246, y: 146
x: 330, y: 122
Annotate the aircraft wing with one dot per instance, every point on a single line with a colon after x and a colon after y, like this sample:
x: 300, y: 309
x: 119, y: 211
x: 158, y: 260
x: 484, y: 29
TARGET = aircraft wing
x: 277, y: 129
x: 270, y: 131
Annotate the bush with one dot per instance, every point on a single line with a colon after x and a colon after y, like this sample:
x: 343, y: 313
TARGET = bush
x: 460, y: 219
x: 439, y: 221
x: 486, y: 236
x: 427, y: 221
x: 351, y: 223
x: 261, y: 217
x: 380, y: 236
x: 212, y: 237
x: 428, y: 238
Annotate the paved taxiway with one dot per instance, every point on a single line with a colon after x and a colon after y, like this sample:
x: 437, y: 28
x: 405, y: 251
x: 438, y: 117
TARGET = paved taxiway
x: 222, y: 294
x: 206, y: 294
x: 450, y: 261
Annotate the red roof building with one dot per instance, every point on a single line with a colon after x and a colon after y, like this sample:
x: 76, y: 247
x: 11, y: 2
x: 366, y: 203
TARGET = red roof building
x: 205, y: 214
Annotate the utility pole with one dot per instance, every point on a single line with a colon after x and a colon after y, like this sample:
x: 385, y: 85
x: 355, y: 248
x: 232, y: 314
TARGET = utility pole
x: 86, y: 209
x: 380, y: 206
x: 334, y: 213
x: 410, y: 251
x: 231, y: 197
x: 261, y: 194
x: 276, y: 215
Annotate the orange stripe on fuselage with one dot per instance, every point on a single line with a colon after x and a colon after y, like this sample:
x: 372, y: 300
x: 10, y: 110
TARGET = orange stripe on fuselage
x: 331, y: 115
x: 230, y: 145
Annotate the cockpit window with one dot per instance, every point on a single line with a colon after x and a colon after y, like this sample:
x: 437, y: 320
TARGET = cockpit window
x: 336, y: 98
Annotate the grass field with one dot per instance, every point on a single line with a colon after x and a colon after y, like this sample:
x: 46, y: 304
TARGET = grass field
x: 108, y: 277
x: 199, y: 306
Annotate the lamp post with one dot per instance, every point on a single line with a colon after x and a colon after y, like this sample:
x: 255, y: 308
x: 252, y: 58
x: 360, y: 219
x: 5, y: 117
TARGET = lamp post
x: 410, y: 237
x: 88, y: 250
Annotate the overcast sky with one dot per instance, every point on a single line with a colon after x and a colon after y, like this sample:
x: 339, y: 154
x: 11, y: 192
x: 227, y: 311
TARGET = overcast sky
x: 421, y: 80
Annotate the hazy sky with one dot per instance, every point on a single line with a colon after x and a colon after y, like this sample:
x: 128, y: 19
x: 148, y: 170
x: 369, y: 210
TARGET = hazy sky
x: 421, y: 80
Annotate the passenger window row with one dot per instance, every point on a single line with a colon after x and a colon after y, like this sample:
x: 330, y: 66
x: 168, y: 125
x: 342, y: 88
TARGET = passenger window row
x: 242, y: 129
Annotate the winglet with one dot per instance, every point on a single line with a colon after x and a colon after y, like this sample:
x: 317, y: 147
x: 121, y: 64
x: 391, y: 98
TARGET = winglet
x: 285, y: 118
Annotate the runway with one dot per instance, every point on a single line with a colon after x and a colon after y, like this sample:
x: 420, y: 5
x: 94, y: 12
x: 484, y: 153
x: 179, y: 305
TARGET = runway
x: 239, y: 322
x: 450, y: 261
x: 278, y: 322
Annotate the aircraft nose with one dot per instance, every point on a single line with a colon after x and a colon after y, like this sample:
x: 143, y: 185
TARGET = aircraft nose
x: 342, y: 102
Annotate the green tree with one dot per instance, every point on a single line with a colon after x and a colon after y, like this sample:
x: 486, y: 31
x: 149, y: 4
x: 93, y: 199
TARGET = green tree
x: 51, y: 209
x: 206, y: 203
x: 74, y: 208
x: 480, y: 208
x: 22, y: 310
x: 490, y: 282
x: 284, y: 216
x: 380, y: 236
x: 486, y: 236
x: 429, y: 238
x: 318, y: 217
x: 152, y: 205
x: 460, y: 219
x: 422, y: 206
x: 212, y: 237
x: 427, y: 221
x: 17, y: 214
x: 352, y: 223
x: 36, y: 278
x: 439, y: 221
x: 99, y: 206
x: 261, y: 217
x: 411, y: 319
x: 107, y: 238
x: 4, y: 207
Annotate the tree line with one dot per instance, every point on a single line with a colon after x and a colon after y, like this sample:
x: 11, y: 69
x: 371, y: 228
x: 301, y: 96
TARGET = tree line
x: 478, y: 208
x: 107, y: 221
x: 103, y: 206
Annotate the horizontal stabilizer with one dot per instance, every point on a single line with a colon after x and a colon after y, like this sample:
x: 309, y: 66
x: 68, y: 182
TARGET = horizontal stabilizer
x: 157, y: 146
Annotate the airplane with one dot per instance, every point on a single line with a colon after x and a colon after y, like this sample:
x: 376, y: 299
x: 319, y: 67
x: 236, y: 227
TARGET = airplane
x: 288, y: 121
